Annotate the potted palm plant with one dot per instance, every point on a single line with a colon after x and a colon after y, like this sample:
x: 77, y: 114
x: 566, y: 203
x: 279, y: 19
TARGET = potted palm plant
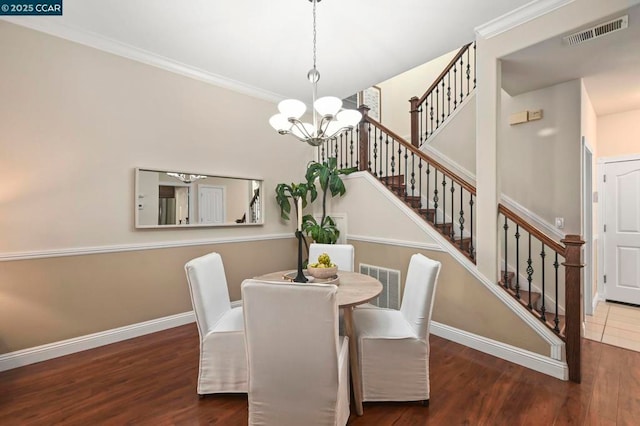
x: 328, y: 175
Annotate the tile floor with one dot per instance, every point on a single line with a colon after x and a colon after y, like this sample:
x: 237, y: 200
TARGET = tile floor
x: 614, y: 324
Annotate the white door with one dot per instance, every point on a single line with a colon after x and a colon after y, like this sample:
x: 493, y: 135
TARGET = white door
x: 622, y: 236
x: 211, y: 204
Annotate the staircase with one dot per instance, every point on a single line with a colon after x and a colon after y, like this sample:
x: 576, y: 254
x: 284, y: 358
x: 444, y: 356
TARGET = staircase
x: 538, y: 270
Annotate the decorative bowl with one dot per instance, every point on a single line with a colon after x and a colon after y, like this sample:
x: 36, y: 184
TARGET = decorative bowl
x: 322, y: 273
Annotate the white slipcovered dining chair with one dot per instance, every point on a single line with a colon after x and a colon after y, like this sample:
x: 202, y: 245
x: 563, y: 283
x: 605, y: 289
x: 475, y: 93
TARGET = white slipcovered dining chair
x: 394, y: 344
x: 341, y: 254
x: 223, y: 361
x: 298, y: 365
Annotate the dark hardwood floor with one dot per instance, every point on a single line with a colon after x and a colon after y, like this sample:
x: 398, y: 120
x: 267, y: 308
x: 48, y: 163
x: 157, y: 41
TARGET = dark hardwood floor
x: 151, y: 380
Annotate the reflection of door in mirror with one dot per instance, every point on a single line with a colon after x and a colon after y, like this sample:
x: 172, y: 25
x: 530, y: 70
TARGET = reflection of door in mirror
x: 211, y: 204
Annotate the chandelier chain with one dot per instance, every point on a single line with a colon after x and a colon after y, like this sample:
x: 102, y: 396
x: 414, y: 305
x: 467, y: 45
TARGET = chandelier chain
x: 314, y: 34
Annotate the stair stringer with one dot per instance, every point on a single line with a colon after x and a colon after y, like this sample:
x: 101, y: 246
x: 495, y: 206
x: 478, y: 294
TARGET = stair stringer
x: 470, y: 177
x: 556, y: 345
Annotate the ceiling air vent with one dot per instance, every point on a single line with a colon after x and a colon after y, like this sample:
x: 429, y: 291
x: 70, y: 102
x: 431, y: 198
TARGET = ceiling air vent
x: 608, y: 27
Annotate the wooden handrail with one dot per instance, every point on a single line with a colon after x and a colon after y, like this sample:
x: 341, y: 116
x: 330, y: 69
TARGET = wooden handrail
x: 443, y: 73
x: 424, y: 156
x: 549, y: 242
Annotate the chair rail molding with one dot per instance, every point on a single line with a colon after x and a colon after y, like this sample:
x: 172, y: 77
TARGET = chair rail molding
x: 78, y: 251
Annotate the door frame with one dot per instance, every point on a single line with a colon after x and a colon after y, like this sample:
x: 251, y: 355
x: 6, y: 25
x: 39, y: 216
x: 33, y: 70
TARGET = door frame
x: 602, y: 197
x: 586, y: 157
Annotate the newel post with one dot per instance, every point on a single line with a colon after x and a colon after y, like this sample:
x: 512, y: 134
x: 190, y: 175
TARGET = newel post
x: 573, y: 304
x: 415, y: 117
x: 364, y: 138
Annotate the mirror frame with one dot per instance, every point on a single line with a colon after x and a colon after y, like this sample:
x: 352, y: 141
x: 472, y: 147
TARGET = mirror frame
x: 137, y: 200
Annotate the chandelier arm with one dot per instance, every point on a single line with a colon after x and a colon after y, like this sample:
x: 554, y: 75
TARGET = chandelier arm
x: 324, y: 124
x: 300, y: 126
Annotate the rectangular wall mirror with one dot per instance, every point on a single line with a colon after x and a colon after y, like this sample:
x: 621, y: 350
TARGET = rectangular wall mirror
x: 179, y: 199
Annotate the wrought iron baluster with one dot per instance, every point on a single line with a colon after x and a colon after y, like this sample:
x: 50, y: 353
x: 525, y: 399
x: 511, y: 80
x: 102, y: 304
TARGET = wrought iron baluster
x: 420, y: 129
x: 357, y: 147
x: 449, y: 93
x: 468, y: 73
x: 420, y: 179
x: 556, y: 319
x: 400, y: 167
x: 435, y: 197
x: 474, y: 65
x: 452, y: 234
x: 517, y: 235
x: 443, y: 93
x: 375, y: 151
x: 461, y: 79
x: 406, y: 172
x: 428, y: 184
x: 506, y: 252
x: 369, y: 160
x: 437, y: 106
x: 461, y: 220
x: 543, y: 309
x: 472, y: 252
x: 455, y: 86
x: 351, y: 149
x: 413, y: 174
x: 393, y: 158
x: 339, y: 157
x: 431, y: 112
x: 380, y: 159
x: 529, y: 273
x: 387, y: 162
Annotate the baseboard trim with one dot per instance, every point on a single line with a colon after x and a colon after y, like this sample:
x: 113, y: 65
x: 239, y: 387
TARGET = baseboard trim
x: 79, y: 251
x: 90, y: 341
x: 523, y: 357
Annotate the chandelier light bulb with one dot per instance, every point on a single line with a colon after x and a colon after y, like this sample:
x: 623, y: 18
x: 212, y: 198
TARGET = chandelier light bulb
x: 280, y: 123
x: 292, y: 108
x: 350, y: 117
x: 328, y: 105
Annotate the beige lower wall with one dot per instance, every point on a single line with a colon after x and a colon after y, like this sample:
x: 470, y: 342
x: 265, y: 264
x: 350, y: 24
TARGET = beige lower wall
x: 52, y: 299
x: 461, y: 301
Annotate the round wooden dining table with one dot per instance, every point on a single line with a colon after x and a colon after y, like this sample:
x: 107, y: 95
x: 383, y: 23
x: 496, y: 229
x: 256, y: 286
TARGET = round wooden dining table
x: 353, y: 289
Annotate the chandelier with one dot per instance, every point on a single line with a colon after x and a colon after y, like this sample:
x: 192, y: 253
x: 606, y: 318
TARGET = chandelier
x: 329, y: 118
x: 186, y: 178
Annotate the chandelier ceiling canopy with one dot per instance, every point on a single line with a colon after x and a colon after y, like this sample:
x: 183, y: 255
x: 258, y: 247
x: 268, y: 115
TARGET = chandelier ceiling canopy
x: 329, y: 118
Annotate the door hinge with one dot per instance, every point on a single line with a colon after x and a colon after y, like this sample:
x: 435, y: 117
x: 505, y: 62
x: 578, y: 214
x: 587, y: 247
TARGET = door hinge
x: 605, y: 228
x: 605, y: 279
x: 605, y: 177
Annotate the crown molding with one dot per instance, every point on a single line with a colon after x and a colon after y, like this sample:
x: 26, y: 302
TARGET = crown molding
x: 518, y: 17
x: 124, y: 50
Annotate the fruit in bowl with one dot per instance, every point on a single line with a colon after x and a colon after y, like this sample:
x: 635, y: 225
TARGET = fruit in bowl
x: 323, y: 268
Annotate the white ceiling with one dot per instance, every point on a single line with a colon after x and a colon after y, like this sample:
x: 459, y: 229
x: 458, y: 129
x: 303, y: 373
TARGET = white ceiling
x: 610, y: 66
x: 266, y: 46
